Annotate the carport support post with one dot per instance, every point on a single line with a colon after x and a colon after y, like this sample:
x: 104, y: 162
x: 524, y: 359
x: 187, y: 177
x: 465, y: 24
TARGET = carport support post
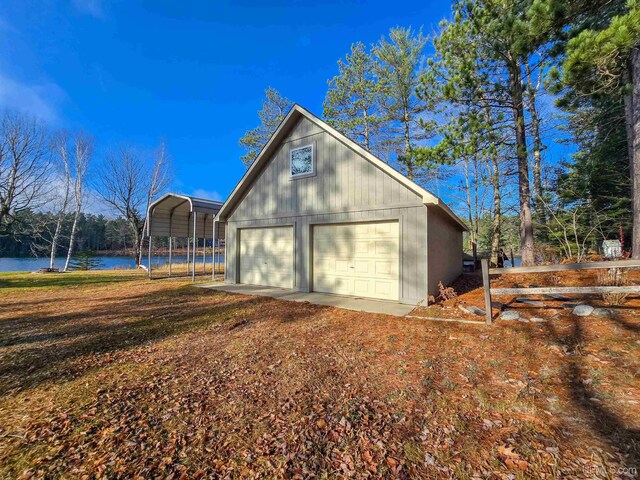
x: 204, y: 255
x: 150, y: 255
x: 188, y: 240
x: 487, y: 288
x: 170, y: 240
x: 170, y: 245
x: 193, y: 250
x: 204, y: 245
x: 214, y: 242
x: 150, y: 232
x: 218, y: 252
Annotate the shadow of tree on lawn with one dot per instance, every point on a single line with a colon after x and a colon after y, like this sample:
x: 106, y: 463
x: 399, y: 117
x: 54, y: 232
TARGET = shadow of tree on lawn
x: 66, y: 344
x: 604, y: 423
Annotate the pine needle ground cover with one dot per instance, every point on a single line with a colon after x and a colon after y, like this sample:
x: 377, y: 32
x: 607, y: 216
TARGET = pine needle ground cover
x: 110, y: 375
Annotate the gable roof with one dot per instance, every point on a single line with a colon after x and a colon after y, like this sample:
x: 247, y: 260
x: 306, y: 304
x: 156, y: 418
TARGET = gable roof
x: 179, y: 207
x: 280, y: 134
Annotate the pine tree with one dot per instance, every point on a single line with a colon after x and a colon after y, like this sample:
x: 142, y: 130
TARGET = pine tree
x: 493, y: 45
x: 597, y: 176
x: 85, y: 260
x: 274, y: 109
x: 599, y: 42
x: 608, y: 61
x: 353, y: 104
x: 401, y: 59
x: 471, y: 131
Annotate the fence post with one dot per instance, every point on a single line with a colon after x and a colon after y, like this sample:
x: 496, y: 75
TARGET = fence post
x: 486, y: 283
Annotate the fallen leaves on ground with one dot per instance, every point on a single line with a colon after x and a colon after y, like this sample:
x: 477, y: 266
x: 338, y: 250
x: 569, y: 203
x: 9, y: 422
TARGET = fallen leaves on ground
x: 141, y: 379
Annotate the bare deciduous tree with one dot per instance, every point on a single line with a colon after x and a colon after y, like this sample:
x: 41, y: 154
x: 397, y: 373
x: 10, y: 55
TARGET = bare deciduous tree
x: 570, y: 227
x: 128, y: 181
x: 82, y: 152
x: 24, y: 167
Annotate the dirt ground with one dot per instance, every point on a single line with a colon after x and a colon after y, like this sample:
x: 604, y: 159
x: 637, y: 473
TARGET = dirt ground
x: 108, y: 375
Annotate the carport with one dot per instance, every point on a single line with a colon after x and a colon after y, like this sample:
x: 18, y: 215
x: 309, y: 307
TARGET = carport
x: 182, y: 216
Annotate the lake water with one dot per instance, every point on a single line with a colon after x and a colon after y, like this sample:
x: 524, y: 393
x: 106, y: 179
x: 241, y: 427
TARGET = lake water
x: 8, y: 264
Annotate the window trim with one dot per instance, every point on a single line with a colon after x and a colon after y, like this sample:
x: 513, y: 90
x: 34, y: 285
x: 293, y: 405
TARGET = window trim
x: 313, y: 162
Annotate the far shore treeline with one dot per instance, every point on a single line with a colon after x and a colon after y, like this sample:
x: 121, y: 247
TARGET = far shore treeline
x: 96, y: 233
x: 48, y: 176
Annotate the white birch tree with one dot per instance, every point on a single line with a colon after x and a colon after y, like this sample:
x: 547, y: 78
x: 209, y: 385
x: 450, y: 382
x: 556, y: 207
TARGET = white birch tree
x: 82, y: 153
x: 59, y: 147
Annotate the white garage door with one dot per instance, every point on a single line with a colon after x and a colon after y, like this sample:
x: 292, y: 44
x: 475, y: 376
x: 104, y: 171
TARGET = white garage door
x: 360, y: 259
x: 266, y: 256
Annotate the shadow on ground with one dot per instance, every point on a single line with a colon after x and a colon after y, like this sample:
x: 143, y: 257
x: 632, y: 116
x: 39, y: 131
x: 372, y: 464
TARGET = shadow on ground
x: 585, y: 398
x: 53, y: 346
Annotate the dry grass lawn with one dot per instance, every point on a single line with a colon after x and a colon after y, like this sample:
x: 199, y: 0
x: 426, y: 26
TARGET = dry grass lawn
x: 109, y: 375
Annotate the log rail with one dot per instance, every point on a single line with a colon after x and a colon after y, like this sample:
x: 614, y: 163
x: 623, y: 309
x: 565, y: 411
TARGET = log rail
x: 488, y: 291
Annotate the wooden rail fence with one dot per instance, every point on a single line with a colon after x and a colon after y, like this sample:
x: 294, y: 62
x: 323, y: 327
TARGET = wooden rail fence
x: 488, y: 291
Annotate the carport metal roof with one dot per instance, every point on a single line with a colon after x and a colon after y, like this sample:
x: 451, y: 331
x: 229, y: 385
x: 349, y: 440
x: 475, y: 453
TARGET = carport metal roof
x: 172, y: 215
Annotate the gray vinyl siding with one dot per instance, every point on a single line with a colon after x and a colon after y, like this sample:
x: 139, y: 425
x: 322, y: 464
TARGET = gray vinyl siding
x: 345, y: 188
x: 343, y: 181
x: 444, y: 253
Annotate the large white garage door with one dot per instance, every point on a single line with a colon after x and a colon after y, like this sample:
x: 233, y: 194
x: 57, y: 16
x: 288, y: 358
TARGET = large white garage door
x: 360, y: 259
x: 266, y: 256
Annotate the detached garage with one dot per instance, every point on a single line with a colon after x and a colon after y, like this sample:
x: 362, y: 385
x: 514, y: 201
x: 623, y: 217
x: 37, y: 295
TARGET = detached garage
x: 317, y: 212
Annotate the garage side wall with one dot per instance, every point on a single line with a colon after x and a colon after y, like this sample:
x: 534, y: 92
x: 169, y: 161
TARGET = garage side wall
x: 345, y: 188
x: 444, y: 257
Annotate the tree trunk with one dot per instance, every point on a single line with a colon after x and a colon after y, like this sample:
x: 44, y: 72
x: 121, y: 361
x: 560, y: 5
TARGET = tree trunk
x: 472, y: 225
x: 632, y: 110
x: 138, y: 237
x: 524, y: 191
x: 496, y: 232
x: 72, y: 238
x: 365, y: 118
x: 538, y: 203
x: 407, y: 145
x: 537, y: 164
x: 61, y: 213
x: 54, y: 239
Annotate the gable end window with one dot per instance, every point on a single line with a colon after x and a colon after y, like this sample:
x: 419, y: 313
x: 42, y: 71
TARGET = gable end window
x: 302, y: 161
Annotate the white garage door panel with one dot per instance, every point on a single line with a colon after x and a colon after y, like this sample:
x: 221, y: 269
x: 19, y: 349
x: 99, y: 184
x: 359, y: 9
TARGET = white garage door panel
x: 266, y: 256
x: 360, y: 259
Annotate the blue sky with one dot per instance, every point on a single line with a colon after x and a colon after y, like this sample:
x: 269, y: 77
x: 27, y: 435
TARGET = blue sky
x: 191, y: 73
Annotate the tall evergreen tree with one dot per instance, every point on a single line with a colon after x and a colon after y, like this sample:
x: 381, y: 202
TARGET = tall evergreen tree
x: 472, y: 129
x: 608, y: 61
x: 493, y: 44
x: 401, y: 57
x: 274, y: 108
x: 532, y: 92
x: 354, y: 101
x: 597, y: 177
x: 599, y: 42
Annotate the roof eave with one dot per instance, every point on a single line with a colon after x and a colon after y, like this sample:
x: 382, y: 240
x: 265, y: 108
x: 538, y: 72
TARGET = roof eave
x: 440, y: 204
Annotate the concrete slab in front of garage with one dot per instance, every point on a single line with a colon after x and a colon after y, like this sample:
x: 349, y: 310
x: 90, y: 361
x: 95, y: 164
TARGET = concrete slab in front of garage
x: 350, y: 303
